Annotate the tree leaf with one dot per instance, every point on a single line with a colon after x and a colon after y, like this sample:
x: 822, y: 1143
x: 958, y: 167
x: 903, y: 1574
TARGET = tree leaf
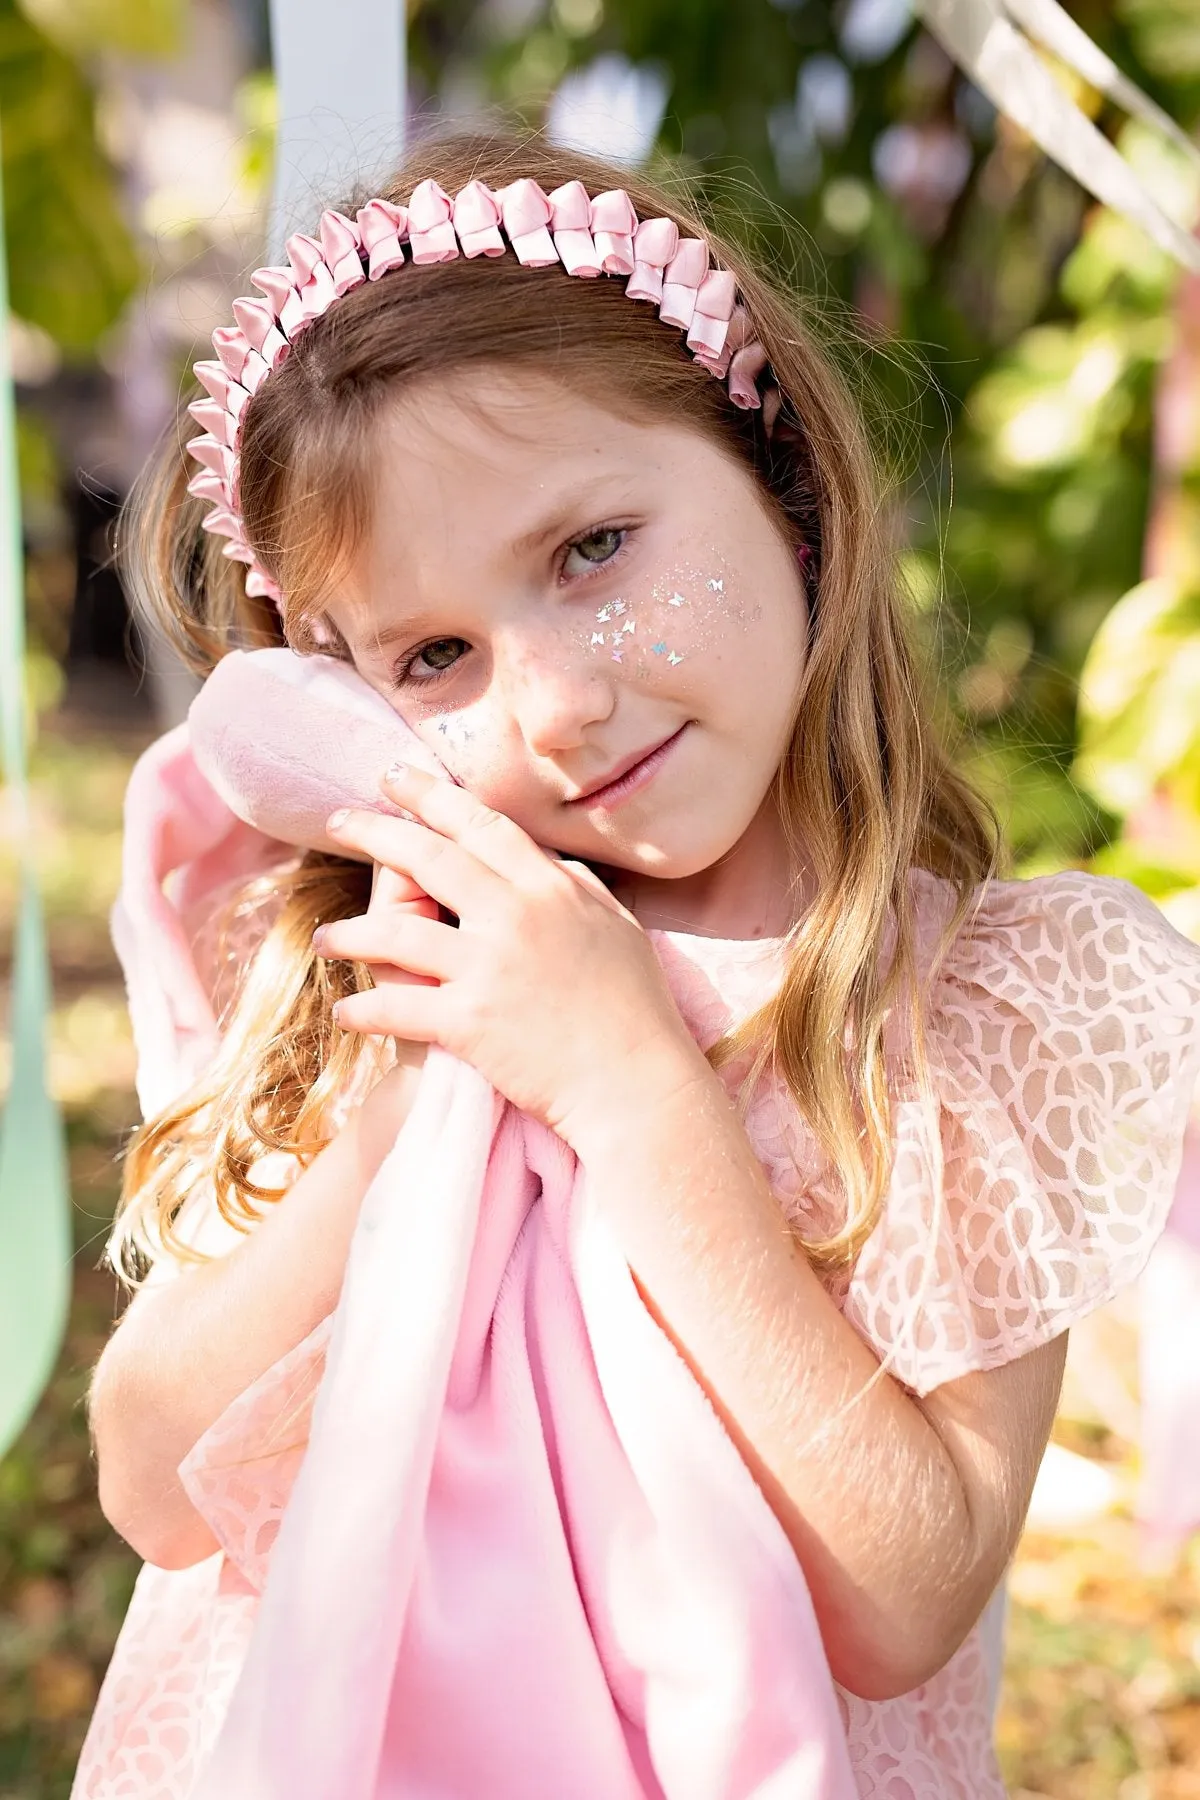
x: 72, y: 264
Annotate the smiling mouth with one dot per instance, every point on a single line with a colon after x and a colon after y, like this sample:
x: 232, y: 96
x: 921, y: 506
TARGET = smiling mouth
x: 633, y: 778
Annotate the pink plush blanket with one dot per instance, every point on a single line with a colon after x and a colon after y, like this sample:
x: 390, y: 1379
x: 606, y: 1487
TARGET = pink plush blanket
x: 427, y: 1625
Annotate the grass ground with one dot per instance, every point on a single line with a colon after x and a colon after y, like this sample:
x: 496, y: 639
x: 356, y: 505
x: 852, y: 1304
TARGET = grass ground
x: 1102, y: 1690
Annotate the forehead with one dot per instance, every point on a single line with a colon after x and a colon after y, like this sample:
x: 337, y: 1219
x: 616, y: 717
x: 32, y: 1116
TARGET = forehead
x: 499, y: 425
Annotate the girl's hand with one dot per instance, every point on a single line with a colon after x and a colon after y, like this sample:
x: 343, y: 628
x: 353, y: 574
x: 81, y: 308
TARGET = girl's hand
x: 396, y: 896
x: 547, y: 985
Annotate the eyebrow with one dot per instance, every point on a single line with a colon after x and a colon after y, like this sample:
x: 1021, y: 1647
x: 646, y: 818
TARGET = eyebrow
x: 378, y: 641
x: 567, y: 508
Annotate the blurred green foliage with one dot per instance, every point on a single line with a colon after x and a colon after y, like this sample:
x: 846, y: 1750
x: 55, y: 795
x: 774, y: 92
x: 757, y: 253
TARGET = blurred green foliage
x: 122, y: 27
x: 71, y: 261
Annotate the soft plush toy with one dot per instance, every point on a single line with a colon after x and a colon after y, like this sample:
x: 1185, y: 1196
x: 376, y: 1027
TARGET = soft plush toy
x: 285, y: 739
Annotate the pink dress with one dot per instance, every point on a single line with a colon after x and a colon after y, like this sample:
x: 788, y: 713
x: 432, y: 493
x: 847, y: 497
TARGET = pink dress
x: 1064, y: 1032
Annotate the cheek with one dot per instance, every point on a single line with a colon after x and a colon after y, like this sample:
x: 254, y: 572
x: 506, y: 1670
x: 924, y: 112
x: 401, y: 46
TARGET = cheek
x: 471, y: 743
x: 461, y: 739
x: 686, y: 621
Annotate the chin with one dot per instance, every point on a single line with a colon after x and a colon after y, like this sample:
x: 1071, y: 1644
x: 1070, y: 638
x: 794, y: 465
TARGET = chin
x: 669, y: 859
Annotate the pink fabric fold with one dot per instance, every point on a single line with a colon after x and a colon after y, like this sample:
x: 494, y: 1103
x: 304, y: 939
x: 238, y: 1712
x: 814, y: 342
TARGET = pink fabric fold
x: 571, y: 219
x: 381, y: 227
x: 430, y: 224
x: 477, y: 221
x: 341, y: 242
x: 181, y: 845
x: 527, y: 215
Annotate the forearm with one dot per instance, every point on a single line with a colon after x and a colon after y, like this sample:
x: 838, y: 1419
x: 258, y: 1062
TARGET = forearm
x: 186, y: 1349
x: 874, y: 1508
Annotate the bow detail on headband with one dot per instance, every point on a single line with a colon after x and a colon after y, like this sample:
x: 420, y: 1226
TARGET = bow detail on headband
x: 588, y: 236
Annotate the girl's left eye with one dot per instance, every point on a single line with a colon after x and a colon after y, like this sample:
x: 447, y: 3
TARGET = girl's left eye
x: 405, y: 674
x: 595, y: 548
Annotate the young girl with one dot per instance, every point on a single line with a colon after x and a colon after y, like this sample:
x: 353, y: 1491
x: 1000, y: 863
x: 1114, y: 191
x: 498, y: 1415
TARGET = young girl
x: 704, y: 897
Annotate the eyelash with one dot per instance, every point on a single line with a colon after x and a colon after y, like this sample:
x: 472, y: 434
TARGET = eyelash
x: 402, y: 675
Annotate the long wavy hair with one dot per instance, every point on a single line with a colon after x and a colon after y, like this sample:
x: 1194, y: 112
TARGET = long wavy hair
x: 866, y: 789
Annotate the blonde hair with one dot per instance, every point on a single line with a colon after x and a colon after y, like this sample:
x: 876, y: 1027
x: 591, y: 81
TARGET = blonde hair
x: 866, y: 790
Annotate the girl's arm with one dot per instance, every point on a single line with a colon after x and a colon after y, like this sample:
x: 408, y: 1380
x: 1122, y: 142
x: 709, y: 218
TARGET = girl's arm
x: 905, y: 1512
x: 184, y: 1350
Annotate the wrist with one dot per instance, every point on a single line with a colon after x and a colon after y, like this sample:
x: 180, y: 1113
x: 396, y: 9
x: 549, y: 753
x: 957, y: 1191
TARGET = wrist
x: 389, y: 1103
x: 643, y: 1090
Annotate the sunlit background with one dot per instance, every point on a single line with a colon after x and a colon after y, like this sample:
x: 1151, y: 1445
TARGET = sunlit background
x: 1037, y: 363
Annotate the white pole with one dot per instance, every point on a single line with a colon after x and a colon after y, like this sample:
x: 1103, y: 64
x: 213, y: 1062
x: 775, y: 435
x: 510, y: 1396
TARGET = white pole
x: 341, y: 87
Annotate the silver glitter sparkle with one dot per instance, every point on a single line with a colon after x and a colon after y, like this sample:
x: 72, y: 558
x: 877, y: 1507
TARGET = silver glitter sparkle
x: 676, y: 600
x: 673, y: 658
x: 617, y: 657
x: 618, y: 607
x: 718, y: 587
x: 604, y: 615
x: 597, y: 637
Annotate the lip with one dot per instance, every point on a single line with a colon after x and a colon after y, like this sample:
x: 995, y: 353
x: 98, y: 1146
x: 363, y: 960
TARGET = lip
x: 629, y: 775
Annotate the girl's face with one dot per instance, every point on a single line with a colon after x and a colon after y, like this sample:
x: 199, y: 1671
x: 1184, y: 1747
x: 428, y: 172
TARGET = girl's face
x: 549, y: 593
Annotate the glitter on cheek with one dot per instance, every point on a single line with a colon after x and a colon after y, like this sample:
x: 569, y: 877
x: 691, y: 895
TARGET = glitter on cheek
x: 453, y: 730
x: 693, y: 609
x: 688, y: 610
x: 465, y: 741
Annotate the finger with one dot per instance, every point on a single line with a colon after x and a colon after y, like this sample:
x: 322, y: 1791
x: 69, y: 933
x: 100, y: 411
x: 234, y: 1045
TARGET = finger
x: 457, y: 814
x: 390, y: 888
x: 411, y: 1013
x: 445, y: 870
x: 388, y: 975
x: 408, y: 941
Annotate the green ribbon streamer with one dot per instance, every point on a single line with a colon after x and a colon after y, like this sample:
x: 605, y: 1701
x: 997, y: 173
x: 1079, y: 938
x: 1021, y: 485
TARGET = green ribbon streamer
x: 35, y: 1211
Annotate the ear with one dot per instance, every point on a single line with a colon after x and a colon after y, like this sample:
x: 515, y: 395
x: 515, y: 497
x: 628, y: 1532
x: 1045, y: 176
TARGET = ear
x: 285, y: 739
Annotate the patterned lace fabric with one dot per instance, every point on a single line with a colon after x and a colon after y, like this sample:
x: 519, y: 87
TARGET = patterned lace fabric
x: 1063, y: 1029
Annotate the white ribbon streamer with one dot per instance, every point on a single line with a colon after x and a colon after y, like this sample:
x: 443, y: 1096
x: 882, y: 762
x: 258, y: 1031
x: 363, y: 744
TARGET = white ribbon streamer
x: 985, y: 38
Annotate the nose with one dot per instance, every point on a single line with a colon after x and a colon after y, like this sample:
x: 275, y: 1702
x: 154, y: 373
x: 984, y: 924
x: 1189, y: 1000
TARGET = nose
x: 554, y: 690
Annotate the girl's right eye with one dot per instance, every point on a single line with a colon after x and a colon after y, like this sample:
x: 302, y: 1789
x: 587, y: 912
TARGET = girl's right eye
x: 405, y: 671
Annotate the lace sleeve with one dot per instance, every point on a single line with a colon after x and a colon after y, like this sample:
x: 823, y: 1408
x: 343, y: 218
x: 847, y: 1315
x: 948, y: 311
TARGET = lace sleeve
x: 239, y: 1475
x: 1064, y: 1032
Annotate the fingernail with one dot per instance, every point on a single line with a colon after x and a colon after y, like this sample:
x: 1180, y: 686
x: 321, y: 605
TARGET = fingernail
x: 395, y: 775
x: 318, y: 937
x: 337, y: 818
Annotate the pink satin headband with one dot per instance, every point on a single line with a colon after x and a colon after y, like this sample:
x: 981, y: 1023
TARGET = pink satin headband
x: 600, y: 236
